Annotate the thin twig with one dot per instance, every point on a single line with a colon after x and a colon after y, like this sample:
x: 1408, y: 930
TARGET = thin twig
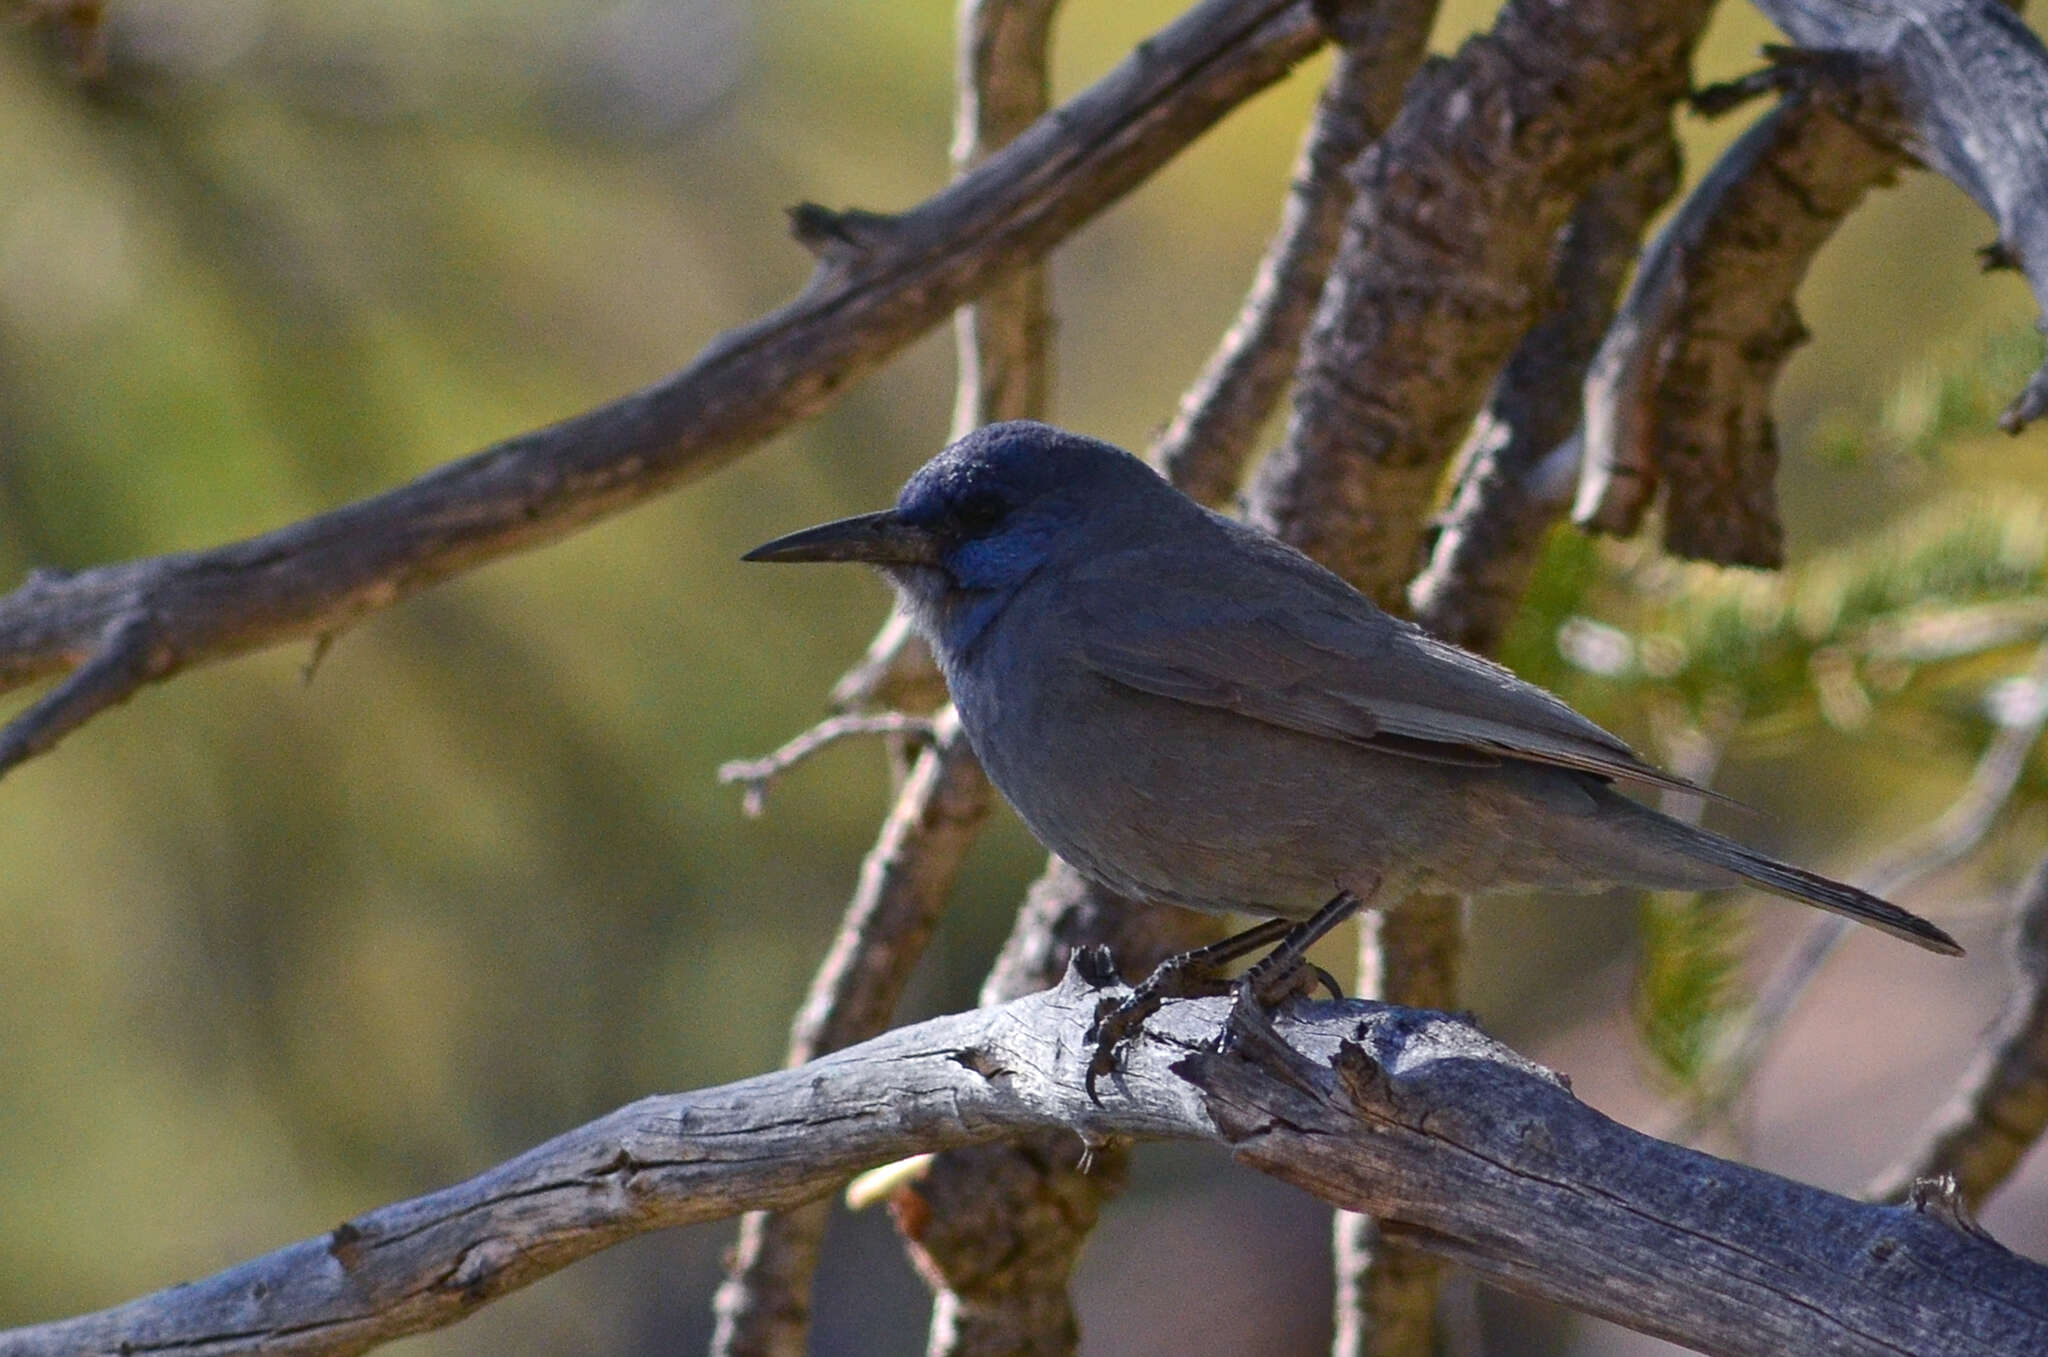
x: 1458, y: 1144
x: 2000, y: 1108
x: 1941, y: 844
x: 880, y: 282
x: 757, y: 776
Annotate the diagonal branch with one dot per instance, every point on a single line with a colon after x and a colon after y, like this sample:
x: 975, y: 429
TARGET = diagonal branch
x: 1462, y: 1147
x: 1205, y: 448
x: 1513, y: 476
x: 881, y: 282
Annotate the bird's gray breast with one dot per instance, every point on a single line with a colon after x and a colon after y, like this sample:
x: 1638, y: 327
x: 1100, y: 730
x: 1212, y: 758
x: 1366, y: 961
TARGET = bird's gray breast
x: 1152, y: 797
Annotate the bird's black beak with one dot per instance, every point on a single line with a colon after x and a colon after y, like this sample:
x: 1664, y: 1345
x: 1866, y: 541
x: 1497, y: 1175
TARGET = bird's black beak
x: 878, y: 538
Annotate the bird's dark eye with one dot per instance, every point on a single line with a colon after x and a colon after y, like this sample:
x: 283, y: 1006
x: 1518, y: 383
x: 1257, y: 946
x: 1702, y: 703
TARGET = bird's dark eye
x: 977, y: 514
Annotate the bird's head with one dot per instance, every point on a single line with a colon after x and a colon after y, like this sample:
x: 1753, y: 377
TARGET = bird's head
x: 985, y: 515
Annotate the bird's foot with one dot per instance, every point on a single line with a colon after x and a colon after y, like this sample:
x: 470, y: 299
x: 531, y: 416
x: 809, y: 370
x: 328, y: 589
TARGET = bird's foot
x: 1185, y: 975
x: 1279, y: 975
x: 1263, y: 989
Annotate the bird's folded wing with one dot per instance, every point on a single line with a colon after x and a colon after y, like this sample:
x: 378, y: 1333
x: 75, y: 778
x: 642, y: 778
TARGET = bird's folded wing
x: 1305, y: 653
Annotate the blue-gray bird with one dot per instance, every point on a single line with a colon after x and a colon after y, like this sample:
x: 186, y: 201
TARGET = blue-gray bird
x: 1189, y: 711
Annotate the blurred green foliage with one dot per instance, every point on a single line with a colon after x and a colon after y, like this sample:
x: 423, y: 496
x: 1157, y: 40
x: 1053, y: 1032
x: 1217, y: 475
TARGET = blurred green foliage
x: 273, y: 951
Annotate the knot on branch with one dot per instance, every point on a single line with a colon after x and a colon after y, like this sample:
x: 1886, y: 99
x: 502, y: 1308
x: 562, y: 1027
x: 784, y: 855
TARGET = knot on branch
x: 481, y: 1265
x: 839, y: 235
x: 1940, y: 1198
x: 1855, y: 85
x: 345, y: 1244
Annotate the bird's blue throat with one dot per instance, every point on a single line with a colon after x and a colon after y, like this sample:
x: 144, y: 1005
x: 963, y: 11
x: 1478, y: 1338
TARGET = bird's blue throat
x: 982, y: 576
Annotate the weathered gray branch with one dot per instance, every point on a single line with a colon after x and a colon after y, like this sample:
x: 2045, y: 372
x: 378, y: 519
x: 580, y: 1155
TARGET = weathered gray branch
x: 1680, y: 396
x: 1003, y: 1224
x: 756, y: 776
x: 1455, y: 1143
x: 881, y: 281
x: 2001, y: 1108
x: 764, y: 1306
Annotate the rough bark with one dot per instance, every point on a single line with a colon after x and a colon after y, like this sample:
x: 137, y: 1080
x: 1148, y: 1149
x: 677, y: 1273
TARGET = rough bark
x: 1444, y: 263
x: 1456, y: 1144
x: 999, y: 1227
x: 1680, y: 396
x: 1513, y: 477
x: 1205, y: 448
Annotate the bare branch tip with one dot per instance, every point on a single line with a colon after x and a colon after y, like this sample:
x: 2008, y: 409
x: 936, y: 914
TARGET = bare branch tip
x: 756, y: 776
x: 1997, y: 257
x: 322, y: 643
x: 1941, y: 1198
x: 831, y: 233
x: 2028, y: 406
x: 127, y: 658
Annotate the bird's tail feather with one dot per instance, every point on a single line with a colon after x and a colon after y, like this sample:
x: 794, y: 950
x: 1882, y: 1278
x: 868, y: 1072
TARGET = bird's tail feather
x: 1796, y: 883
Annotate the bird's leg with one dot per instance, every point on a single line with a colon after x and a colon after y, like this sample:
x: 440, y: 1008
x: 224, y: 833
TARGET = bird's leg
x: 1184, y: 975
x: 1283, y: 970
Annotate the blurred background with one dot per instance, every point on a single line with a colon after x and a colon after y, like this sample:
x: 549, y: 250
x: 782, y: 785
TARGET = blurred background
x: 275, y: 950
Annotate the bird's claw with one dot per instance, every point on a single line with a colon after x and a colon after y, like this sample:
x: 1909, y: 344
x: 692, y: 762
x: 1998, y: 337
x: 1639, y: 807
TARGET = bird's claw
x: 1119, y: 1021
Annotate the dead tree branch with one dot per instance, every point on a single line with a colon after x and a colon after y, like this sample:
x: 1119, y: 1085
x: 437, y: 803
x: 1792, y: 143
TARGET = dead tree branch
x: 1513, y: 477
x: 1457, y: 1144
x: 756, y: 776
x: 1680, y: 396
x: 1445, y: 259
x: 881, y: 281
x: 999, y: 1227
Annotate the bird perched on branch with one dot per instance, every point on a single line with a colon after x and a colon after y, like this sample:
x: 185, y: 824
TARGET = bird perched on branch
x: 1188, y: 711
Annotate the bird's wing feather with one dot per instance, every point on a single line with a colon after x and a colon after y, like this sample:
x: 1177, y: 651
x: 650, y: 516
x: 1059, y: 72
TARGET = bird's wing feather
x: 1278, y: 639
